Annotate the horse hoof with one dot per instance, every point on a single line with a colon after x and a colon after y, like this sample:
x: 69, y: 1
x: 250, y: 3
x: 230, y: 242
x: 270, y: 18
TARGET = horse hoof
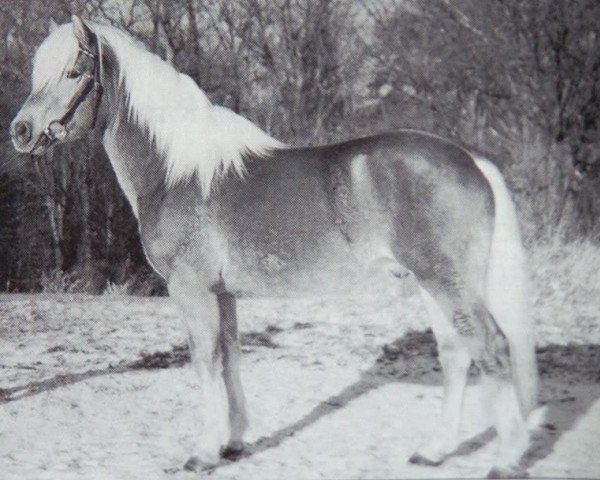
x: 418, y: 459
x: 234, y: 451
x: 194, y: 464
x: 501, y: 472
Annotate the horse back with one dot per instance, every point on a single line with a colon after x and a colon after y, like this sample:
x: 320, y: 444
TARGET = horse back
x: 309, y: 216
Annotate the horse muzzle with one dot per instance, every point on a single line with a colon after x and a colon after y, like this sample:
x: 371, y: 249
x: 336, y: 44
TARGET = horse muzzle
x: 25, y: 141
x: 21, y: 133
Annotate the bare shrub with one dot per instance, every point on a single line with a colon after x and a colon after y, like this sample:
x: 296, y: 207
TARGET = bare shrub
x: 59, y: 281
x: 117, y: 289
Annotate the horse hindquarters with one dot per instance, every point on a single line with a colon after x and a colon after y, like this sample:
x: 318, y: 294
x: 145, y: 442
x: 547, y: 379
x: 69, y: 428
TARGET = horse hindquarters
x: 474, y: 290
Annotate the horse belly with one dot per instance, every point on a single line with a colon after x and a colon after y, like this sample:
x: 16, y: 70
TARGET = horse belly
x: 327, y: 266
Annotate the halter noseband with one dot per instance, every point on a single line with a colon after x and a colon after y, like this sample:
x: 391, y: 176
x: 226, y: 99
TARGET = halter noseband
x: 91, y: 82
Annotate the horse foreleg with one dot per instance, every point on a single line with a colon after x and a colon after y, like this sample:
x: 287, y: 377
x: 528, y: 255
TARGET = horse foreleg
x: 230, y: 345
x: 455, y: 360
x: 201, y: 315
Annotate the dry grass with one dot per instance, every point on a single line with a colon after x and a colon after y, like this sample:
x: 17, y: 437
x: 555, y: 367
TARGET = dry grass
x: 565, y: 280
x: 59, y: 281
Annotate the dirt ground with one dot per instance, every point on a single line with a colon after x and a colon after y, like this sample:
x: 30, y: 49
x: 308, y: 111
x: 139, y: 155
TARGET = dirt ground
x: 100, y: 388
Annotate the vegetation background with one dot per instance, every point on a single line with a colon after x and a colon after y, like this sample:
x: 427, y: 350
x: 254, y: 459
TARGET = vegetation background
x: 518, y: 80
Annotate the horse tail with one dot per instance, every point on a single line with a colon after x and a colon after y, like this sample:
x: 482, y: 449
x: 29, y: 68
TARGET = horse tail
x: 506, y: 291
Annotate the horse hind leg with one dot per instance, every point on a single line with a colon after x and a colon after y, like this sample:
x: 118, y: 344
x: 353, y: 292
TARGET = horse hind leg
x: 501, y: 397
x: 455, y: 359
x: 489, y: 348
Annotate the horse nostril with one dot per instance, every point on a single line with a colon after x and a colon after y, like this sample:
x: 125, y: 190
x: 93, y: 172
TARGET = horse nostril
x: 22, y: 132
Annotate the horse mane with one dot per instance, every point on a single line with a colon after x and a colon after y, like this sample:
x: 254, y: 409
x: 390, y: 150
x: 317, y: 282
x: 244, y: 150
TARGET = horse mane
x: 193, y: 137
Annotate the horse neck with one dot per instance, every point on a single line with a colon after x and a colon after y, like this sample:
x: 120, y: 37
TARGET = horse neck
x: 137, y: 164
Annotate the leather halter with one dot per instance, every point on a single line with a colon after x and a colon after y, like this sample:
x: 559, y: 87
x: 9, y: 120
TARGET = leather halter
x: 91, y: 82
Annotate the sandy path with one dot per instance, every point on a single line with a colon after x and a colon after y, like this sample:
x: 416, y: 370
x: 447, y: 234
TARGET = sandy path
x: 321, y: 405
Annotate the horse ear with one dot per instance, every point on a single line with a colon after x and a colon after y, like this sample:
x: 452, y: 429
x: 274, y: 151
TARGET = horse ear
x: 53, y: 25
x: 82, y: 32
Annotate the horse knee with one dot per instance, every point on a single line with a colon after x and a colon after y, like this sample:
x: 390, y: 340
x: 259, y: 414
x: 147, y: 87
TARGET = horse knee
x: 208, y: 361
x: 205, y: 350
x: 455, y: 361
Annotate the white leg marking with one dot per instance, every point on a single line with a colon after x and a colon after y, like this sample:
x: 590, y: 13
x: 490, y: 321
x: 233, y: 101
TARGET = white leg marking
x: 455, y: 360
x: 501, y: 397
x: 201, y: 315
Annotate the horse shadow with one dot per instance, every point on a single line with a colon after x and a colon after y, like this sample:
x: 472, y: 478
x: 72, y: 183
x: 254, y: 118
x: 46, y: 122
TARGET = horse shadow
x: 568, y: 388
x: 177, y: 357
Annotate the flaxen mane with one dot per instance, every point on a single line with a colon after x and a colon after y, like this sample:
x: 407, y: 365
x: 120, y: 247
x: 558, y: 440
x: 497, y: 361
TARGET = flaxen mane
x: 192, y: 136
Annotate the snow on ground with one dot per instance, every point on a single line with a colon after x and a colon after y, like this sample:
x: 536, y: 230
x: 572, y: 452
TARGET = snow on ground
x: 316, y: 412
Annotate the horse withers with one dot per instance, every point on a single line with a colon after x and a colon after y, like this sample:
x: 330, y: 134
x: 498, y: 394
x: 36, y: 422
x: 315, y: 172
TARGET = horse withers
x: 223, y: 208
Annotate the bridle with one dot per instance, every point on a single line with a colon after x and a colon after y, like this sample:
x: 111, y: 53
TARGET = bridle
x: 91, y: 82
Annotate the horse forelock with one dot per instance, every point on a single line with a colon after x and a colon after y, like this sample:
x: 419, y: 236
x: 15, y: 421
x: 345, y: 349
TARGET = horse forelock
x: 54, y: 56
x: 193, y: 137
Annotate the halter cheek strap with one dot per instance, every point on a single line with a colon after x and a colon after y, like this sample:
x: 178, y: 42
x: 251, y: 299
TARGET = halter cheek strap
x: 91, y: 82
x: 98, y: 87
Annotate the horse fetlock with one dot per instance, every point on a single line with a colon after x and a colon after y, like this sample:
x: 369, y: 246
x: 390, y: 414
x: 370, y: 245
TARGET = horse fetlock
x: 208, y: 452
x: 512, y: 431
x: 239, y: 425
x: 505, y: 472
x: 514, y: 443
x: 197, y: 463
x: 509, y: 464
x: 419, y: 459
x: 435, y: 450
x: 234, y: 450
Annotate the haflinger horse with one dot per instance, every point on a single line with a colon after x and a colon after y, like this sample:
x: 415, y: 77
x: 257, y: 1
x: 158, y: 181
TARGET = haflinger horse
x: 224, y: 208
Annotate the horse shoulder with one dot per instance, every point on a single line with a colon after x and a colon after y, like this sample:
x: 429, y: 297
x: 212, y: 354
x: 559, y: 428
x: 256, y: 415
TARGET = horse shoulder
x: 178, y: 230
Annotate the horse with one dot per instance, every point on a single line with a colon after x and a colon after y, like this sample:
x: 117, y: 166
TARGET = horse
x: 224, y: 208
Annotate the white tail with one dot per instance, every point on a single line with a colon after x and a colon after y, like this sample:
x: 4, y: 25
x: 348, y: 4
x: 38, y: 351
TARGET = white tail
x: 506, y: 290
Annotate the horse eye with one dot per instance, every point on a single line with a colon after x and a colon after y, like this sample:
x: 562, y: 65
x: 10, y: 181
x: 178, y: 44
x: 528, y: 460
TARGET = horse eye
x: 73, y: 74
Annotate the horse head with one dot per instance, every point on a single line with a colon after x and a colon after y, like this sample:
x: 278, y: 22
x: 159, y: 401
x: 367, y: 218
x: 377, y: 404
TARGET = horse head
x: 66, y: 89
